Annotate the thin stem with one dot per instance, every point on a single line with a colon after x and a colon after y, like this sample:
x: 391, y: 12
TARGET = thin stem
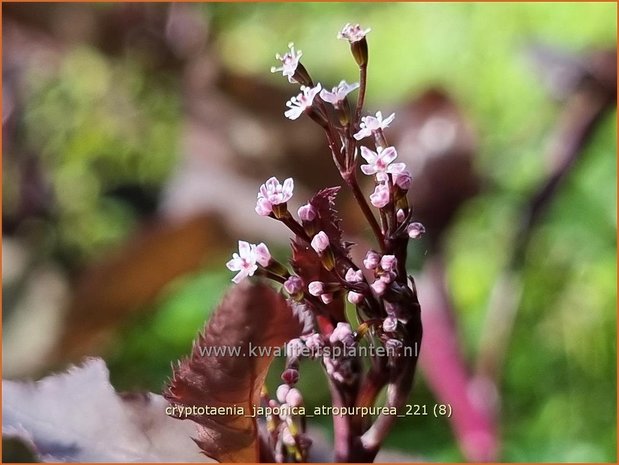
x: 363, y: 73
x: 351, y: 180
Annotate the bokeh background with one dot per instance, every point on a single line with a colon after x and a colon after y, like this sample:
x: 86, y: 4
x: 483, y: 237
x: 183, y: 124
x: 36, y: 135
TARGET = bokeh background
x: 135, y: 137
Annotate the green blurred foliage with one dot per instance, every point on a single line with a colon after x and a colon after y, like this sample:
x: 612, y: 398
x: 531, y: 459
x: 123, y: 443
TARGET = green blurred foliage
x: 100, y: 121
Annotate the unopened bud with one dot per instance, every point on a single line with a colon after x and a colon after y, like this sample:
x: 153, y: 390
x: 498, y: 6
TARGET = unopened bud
x: 290, y: 376
x: 371, y: 260
x: 379, y: 286
x: 307, y: 212
x: 390, y: 324
x: 320, y: 242
x: 355, y: 298
x: 342, y: 333
x: 282, y: 391
x: 316, y: 288
x: 415, y: 230
x: 294, y: 398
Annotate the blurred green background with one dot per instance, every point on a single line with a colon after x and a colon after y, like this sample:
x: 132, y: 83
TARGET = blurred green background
x: 97, y: 106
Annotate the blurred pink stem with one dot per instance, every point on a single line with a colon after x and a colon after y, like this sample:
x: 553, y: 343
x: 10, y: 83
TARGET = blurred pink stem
x: 472, y: 399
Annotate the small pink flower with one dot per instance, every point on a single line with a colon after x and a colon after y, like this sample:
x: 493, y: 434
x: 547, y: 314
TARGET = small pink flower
x: 263, y: 256
x: 316, y: 288
x: 415, y: 230
x: 393, y: 345
x: 326, y: 298
x: 314, y: 342
x: 353, y: 276
x: 297, y: 105
x: 371, y: 260
x: 400, y: 216
x: 371, y: 124
x: 379, y: 286
x: 245, y: 261
x: 342, y: 333
x: 290, y: 61
x: 381, y: 162
x: 294, y: 398
x: 388, y: 276
x: 272, y: 192
x: 388, y: 262
x: 381, y: 196
x: 281, y: 392
x: 403, y: 179
x: 307, y: 212
x: 390, y: 324
x: 355, y: 298
x: 320, y: 242
x: 293, y: 285
x: 352, y: 33
x: 338, y: 93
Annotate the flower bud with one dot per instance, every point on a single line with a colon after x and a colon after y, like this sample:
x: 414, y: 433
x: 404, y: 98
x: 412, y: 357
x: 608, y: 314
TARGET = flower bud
x: 371, y: 260
x: 326, y: 298
x: 415, y: 230
x: 320, y: 242
x: 307, y: 212
x: 316, y: 288
x: 314, y: 342
x: 390, y: 324
x: 290, y: 376
x: 355, y: 298
x: 294, y: 398
x: 295, y: 348
x: 288, y: 438
x: 282, y: 391
x: 293, y: 285
x: 400, y: 215
x: 342, y: 333
x: 388, y: 262
x: 393, y: 345
x: 379, y: 286
x: 353, y: 276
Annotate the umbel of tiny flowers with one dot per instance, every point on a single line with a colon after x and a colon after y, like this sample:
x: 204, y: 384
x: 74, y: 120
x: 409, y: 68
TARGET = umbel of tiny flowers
x: 302, y: 102
x: 247, y: 260
x: 272, y: 194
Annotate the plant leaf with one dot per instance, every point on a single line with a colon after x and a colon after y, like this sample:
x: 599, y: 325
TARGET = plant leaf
x: 250, y: 315
x: 78, y: 417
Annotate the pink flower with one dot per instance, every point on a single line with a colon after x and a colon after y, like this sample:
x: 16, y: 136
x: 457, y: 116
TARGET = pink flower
x: 326, y: 298
x: 370, y: 124
x: 390, y: 324
x: 314, y: 342
x: 353, y: 276
x: 371, y: 260
x: 403, y: 179
x: 288, y: 437
x: 393, y: 345
x: 307, y: 212
x: 281, y: 392
x: 400, y: 215
x: 245, y: 262
x: 342, y: 333
x: 338, y: 93
x: 273, y: 193
x: 380, y: 197
x: 293, y: 285
x: 388, y: 262
x: 295, y: 348
x: 415, y: 230
x: 290, y: 61
x: 379, y: 286
x: 352, y: 33
x: 320, y: 242
x: 381, y: 162
x: 316, y: 288
x: 294, y: 398
x: 263, y: 256
x: 355, y: 298
x: 297, y: 105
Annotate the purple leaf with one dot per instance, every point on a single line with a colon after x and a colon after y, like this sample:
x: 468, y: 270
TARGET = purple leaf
x: 249, y: 315
x: 77, y: 416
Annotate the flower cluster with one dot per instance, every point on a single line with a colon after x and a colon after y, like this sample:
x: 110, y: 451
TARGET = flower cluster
x: 323, y: 276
